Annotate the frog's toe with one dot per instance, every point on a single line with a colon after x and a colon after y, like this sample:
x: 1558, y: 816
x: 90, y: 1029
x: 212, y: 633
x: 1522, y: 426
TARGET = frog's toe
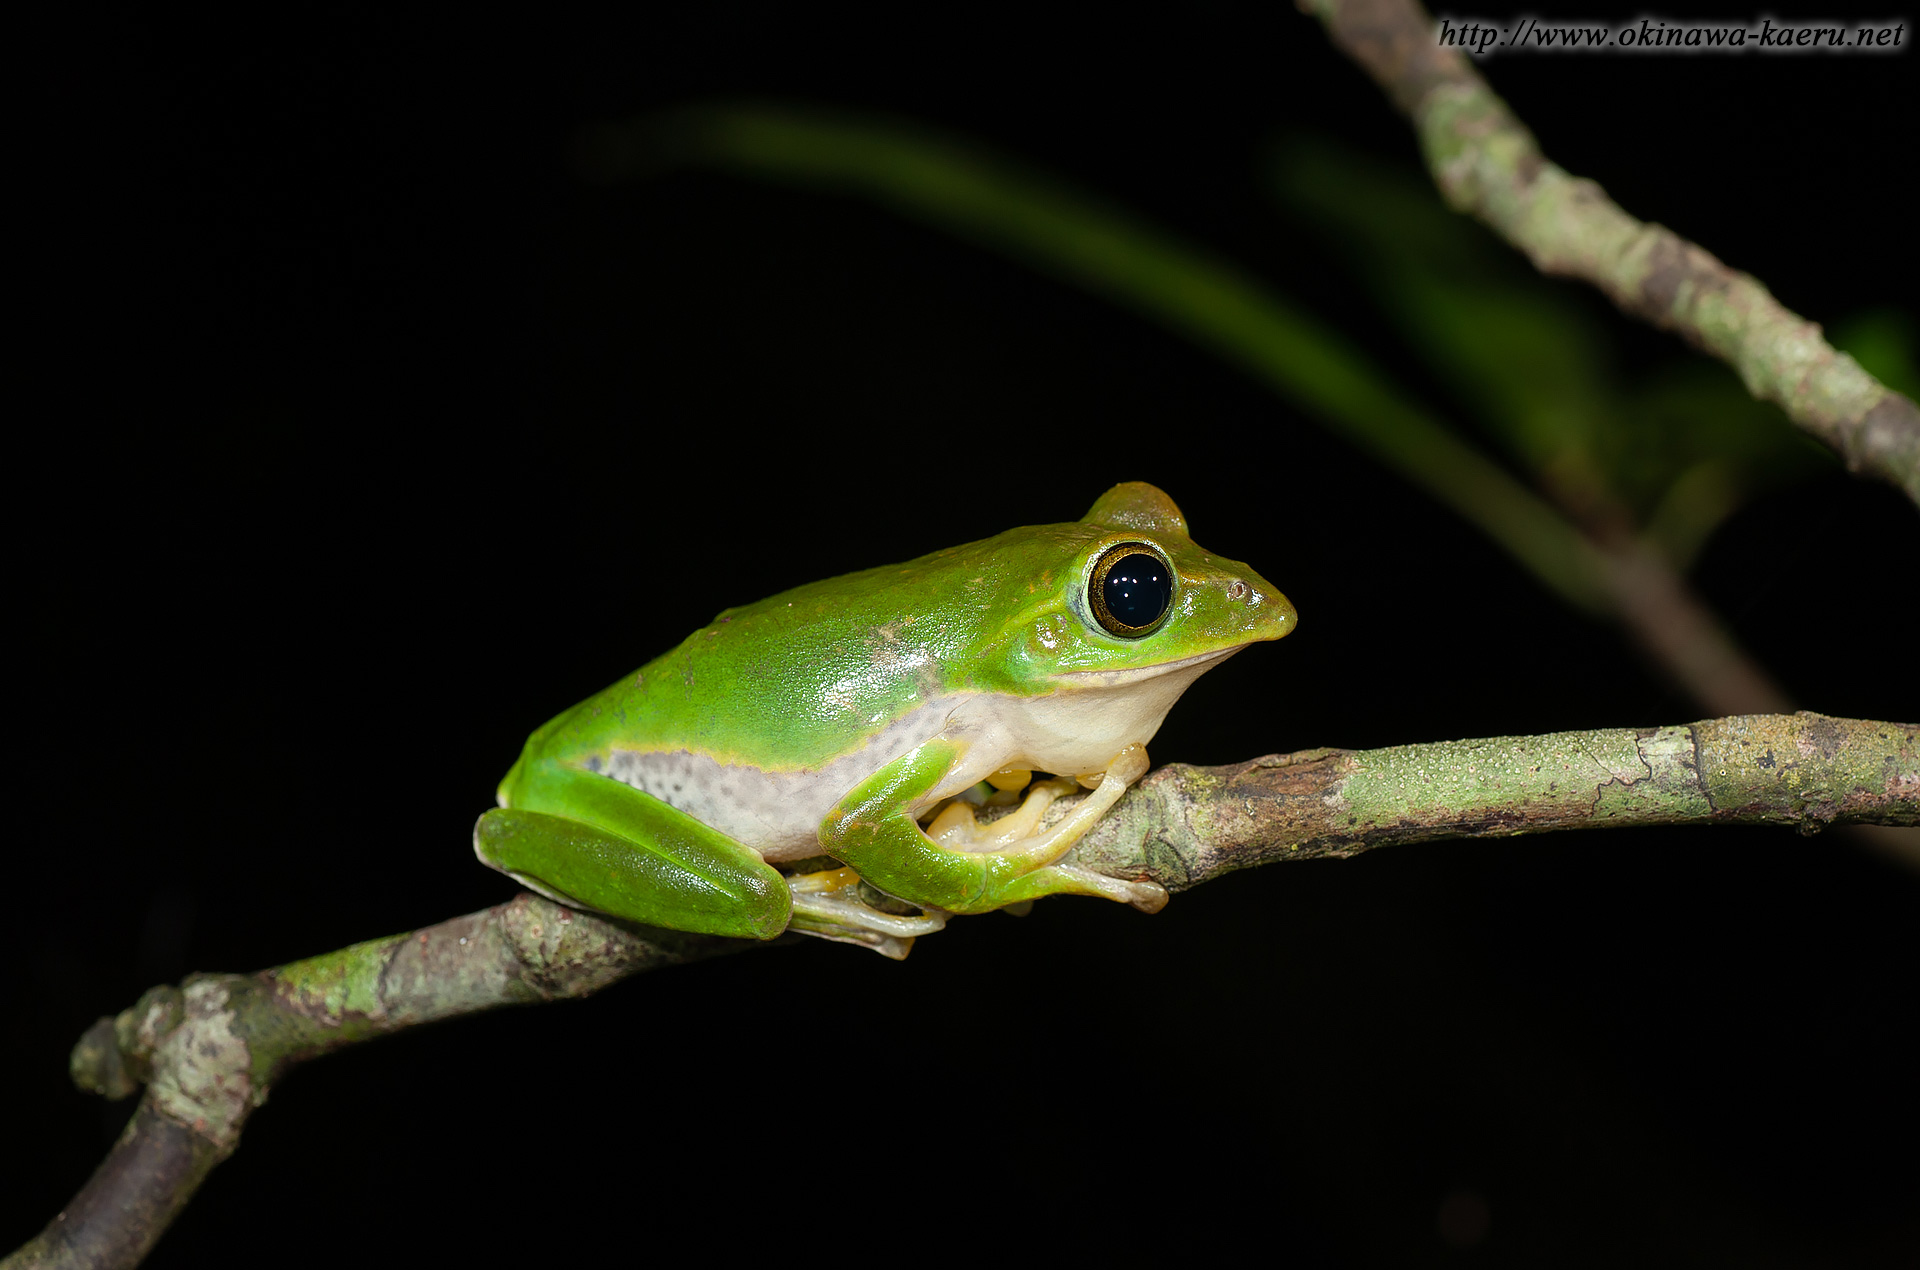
x: 893, y: 947
x: 1148, y: 897
x: 886, y: 943
x: 837, y: 912
x: 828, y: 912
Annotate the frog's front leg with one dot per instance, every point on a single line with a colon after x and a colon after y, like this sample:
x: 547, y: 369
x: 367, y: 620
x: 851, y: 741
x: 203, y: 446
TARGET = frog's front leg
x: 872, y: 830
x: 589, y: 841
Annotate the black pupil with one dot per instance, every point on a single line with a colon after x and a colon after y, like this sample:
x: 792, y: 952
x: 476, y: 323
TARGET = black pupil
x: 1138, y: 589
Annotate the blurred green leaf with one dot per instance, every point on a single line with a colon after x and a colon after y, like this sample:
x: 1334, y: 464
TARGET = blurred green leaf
x: 1029, y: 216
x: 1536, y: 367
x: 1884, y: 342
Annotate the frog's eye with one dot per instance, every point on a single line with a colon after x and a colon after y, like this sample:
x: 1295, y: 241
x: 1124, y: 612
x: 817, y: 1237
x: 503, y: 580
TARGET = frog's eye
x: 1131, y: 589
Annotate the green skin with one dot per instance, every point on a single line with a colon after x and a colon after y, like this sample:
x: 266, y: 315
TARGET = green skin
x: 969, y: 661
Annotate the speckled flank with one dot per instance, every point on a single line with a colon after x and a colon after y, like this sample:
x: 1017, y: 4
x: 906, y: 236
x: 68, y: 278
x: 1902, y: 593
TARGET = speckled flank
x: 778, y: 814
x: 1074, y: 730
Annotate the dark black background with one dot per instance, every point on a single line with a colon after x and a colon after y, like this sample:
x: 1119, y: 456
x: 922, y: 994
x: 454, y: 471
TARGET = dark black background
x: 360, y: 437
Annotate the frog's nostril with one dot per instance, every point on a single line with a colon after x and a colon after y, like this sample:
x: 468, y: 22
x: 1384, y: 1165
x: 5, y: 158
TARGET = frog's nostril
x: 1236, y: 590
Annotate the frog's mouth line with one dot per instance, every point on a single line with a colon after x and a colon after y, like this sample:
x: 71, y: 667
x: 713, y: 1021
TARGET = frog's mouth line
x: 1121, y: 678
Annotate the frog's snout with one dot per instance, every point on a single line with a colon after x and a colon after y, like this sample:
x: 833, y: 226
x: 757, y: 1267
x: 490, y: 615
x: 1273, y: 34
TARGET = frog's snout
x: 1273, y: 612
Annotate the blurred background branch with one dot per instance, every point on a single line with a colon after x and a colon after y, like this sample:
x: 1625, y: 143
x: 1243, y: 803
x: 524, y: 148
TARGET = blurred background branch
x: 1633, y: 482
x: 1487, y: 163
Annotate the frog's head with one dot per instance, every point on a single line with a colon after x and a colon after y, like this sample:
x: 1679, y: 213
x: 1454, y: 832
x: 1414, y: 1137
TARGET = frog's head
x: 1125, y: 596
x: 1089, y: 632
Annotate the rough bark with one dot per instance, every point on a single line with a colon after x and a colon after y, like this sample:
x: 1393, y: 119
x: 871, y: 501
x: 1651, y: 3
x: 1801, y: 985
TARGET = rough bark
x: 1186, y: 825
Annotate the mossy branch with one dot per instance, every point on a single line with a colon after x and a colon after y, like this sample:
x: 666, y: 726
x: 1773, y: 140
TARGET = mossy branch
x: 209, y: 1051
x: 1186, y: 825
x: 1486, y: 162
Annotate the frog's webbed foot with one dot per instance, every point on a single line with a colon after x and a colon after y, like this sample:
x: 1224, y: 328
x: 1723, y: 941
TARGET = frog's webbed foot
x: 830, y: 905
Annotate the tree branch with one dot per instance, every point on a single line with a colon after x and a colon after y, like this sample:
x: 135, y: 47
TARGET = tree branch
x: 1486, y: 162
x: 1186, y: 825
x: 209, y: 1051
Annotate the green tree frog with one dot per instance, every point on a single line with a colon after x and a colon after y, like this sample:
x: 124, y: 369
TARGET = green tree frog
x: 813, y: 761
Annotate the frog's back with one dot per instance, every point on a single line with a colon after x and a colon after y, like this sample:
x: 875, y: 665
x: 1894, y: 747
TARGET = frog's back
x: 759, y: 722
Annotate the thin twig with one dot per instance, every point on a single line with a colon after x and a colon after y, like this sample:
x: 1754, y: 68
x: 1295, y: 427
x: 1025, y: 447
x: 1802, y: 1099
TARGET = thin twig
x: 1487, y: 163
x: 209, y: 1051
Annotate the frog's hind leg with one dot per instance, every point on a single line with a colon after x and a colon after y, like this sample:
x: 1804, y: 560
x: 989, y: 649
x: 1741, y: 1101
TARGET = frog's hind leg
x: 592, y: 842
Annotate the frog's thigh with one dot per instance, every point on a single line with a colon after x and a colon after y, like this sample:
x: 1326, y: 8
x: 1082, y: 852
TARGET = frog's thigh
x: 590, y: 841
